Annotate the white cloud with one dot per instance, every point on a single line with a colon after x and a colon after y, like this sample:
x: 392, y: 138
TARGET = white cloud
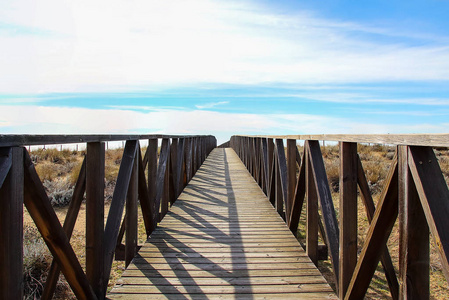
x: 56, y: 120
x: 125, y: 45
x: 211, y: 104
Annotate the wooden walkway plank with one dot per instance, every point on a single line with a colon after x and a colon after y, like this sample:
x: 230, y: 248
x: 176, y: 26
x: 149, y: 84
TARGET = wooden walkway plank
x: 222, y: 239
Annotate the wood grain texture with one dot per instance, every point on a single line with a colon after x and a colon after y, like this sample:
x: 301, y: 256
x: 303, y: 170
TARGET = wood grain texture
x: 222, y: 238
x: 433, y: 140
x: 131, y: 214
x: 113, y: 222
x: 434, y: 196
x: 11, y: 225
x: 69, y: 225
x: 43, y: 215
x: 9, y: 140
x: 95, y: 163
x: 327, y: 205
x: 378, y: 233
x: 368, y: 202
x: 348, y: 214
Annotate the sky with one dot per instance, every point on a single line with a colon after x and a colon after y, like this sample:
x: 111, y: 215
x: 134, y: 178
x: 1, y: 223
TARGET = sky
x: 224, y: 67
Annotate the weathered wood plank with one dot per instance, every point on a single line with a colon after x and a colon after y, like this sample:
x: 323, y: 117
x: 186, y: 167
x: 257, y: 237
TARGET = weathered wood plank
x: 413, y: 236
x: 378, y: 233
x: 298, y: 200
x: 434, y: 140
x: 131, y: 213
x: 13, y: 140
x: 348, y: 214
x: 434, y: 196
x: 69, y: 225
x: 368, y: 202
x: 146, y: 201
x: 291, y: 176
x: 11, y: 223
x: 95, y: 162
x: 219, y: 237
x: 282, y: 168
x: 327, y: 206
x: 5, y: 163
x: 117, y: 206
x: 161, y: 203
x: 43, y: 215
x: 152, y: 179
x: 311, y: 212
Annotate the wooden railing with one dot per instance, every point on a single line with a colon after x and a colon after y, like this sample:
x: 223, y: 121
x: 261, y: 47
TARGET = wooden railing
x: 415, y: 192
x: 179, y: 159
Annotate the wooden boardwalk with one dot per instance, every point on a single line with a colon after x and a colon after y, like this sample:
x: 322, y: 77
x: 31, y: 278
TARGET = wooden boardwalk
x: 222, y: 239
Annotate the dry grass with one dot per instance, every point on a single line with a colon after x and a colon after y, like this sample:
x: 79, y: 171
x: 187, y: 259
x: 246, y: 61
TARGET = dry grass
x: 376, y: 161
x: 59, y: 172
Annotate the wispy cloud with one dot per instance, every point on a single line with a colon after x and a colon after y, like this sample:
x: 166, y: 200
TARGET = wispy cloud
x: 211, y: 104
x: 147, y: 44
x: 47, y: 120
x: 145, y: 108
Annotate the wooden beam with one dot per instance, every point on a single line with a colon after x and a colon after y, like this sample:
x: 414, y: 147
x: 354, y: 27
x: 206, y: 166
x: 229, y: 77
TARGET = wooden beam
x: 385, y: 258
x: 180, y: 165
x: 95, y: 163
x: 160, y: 180
x: 434, y: 140
x: 327, y: 205
x: 266, y: 169
x: 188, y: 160
x: 166, y: 192
x: 298, y: 200
x: 291, y: 176
x: 145, y: 200
x: 131, y: 214
x: 413, y: 236
x: 5, y: 163
x: 152, y: 178
x: 271, y: 172
x: 117, y: 206
x: 434, y: 196
x: 347, y: 215
x: 69, y: 225
x: 279, y: 204
x: 11, y: 223
x: 282, y: 168
x: 43, y: 215
x: 378, y: 233
x: 14, y: 140
x: 173, y: 170
x: 311, y: 211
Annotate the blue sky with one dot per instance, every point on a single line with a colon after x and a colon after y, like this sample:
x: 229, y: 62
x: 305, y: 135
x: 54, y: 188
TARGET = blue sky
x: 224, y: 67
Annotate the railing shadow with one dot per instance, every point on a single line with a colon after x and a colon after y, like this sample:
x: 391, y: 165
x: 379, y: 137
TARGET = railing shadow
x: 185, y: 261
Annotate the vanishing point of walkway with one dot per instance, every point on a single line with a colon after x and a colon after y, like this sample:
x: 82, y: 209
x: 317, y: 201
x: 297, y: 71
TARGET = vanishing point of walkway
x: 222, y: 239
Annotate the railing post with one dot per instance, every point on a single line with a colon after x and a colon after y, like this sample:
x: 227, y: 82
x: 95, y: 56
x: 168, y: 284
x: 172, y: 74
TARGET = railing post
x: 413, y: 236
x: 348, y: 215
x: 95, y: 162
x: 11, y: 222
x: 311, y: 211
x: 152, y: 177
x: 291, y: 175
x: 131, y: 213
x: 271, y: 176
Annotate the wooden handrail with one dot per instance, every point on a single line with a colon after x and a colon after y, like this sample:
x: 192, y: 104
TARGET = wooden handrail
x: 179, y: 159
x: 14, y: 140
x: 416, y: 193
x: 432, y: 140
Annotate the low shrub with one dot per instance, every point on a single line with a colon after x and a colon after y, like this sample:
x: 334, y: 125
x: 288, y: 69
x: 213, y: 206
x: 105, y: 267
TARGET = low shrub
x: 36, y: 266
x: 59, y: 191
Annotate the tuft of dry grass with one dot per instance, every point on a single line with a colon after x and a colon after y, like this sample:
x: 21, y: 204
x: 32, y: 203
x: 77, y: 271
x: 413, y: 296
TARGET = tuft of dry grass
x: 36, y: 266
